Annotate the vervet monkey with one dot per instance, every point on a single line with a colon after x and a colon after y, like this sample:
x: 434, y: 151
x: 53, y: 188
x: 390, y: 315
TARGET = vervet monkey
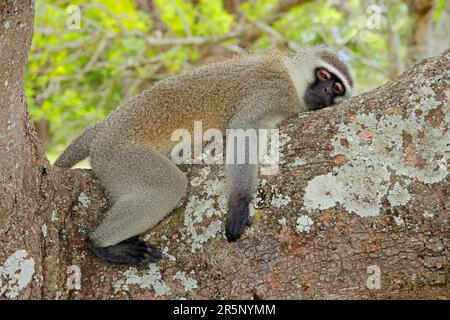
x: 130, y: 148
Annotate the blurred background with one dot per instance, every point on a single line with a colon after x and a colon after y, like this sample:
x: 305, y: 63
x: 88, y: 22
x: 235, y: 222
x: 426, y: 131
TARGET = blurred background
x: 88, y: 56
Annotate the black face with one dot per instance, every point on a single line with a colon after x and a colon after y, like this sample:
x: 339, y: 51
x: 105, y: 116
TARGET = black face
x: 324, y: 90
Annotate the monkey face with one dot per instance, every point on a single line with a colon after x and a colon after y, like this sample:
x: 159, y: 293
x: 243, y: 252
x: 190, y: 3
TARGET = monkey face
x: 324, y: 90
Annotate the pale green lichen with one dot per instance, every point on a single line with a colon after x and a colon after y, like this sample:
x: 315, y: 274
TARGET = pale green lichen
x: 407, y: 146
x: 364, y: 188
x: 151, y: 278
x: 15, y: 274
x: 428, y: 215
x: 44, y: 230
x: 204, y: 172
x: 54, y: 216
x: 166, y: 253
x: 210, y: 204
x: 188, y: 283
x: 217, y: 189
x: 298, y: 162
x: 399, y: 221
x: 323, y: 192
x: 83, y: 200
x: 304, y: 224
x: 399, y: 195
x: 195, y: 182
x: 280, y: 200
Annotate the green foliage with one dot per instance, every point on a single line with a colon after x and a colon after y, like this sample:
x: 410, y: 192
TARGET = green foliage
x: 78, y: 75
x: 440, y: 7
x: 72, y: 75
x: 258, y: 9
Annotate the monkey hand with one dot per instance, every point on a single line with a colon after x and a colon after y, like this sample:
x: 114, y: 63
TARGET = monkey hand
x: 238, y: 219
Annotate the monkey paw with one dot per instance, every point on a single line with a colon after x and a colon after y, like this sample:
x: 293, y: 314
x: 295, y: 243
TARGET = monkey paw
x: 238, y: 219
x: 132, y: 251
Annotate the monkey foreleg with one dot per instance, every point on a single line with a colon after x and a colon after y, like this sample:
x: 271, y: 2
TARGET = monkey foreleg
x: 238, y: 217
x: 241, y: 180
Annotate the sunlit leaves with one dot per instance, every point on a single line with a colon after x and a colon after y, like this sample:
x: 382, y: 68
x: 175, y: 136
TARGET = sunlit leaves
x: 74, y: 75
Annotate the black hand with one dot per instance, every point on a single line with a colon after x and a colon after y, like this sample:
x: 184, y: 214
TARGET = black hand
x: 237, y: 219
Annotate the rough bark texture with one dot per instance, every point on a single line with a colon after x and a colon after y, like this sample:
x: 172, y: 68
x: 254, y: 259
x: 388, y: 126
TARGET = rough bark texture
x: 22, y: 161
x: 363, y: 187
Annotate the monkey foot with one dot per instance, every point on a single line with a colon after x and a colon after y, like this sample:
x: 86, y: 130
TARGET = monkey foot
x: 237, y: 220
x: 132, y: 251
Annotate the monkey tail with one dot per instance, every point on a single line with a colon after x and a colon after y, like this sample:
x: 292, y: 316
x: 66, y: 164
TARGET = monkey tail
x: 79, y: 149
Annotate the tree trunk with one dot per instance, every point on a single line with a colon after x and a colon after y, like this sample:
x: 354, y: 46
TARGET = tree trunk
x: 421, y: 12
x: 359, y: 209
x: 427, y: 38
x: 22, y: 161
x: 42, y: 128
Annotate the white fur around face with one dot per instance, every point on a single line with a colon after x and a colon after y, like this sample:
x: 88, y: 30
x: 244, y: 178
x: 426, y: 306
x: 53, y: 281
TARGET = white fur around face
x: 301, y: 69
x: 301, y: 78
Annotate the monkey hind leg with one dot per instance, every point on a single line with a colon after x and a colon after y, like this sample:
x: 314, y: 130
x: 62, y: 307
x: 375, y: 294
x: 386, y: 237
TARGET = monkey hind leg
x: 144, y: 187
x: 115, y: 240
x: 131, y: 251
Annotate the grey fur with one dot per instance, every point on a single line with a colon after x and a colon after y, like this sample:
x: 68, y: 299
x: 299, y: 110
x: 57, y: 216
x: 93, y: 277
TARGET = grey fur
x: 80, y: 148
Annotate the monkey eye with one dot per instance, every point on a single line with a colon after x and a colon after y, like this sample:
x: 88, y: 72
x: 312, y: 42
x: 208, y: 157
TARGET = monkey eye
x: 338, y: 88
x: 323, y: 75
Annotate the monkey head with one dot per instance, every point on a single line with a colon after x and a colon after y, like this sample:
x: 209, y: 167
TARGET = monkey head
x: 328, y: 79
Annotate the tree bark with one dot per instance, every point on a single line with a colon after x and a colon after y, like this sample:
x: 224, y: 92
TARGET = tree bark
x: 22, y: 161
x: 359, y: 208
